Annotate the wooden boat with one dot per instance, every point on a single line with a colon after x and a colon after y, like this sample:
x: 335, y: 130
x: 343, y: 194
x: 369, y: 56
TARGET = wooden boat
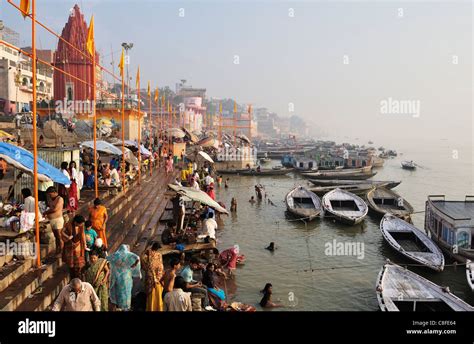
x: 266, y: 172
x: 383, y: 201
x: 408, y: 165
x: 399, y: 289
x: 411, y: 242
x: 303, y: 203
x: 358, y: 189
x: 345, y: 206
x: 335, y: 182
x: 451, y: 225
x: 470, y: 274
x: 338, y: 175
x: 265, y: 160
x: 366, y: 169
x: 232, y: 171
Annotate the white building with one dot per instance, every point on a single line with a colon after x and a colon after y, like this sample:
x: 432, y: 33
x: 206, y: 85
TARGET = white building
x: 16, y: 92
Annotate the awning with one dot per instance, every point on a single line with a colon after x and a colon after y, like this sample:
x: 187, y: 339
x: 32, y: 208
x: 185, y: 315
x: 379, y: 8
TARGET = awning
x: 23, y: 160
x: 134, y: 144
x: 130, y: 157
x: 103, y: 146
x: 206, y: 156
x: 198, y: 196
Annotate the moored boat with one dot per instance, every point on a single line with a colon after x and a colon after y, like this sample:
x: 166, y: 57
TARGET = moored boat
x: 344, y: 206
x: 365, y: 169
x: 303, y: 203
x: 266, y: 172
x: 334, y: 182
x: 451, y: 225
x: 399, y: 289
x: 358, y: 189
x: 411, y: 242
x: 470, y: 274
x: 339, y: 175
x: 383, y: 201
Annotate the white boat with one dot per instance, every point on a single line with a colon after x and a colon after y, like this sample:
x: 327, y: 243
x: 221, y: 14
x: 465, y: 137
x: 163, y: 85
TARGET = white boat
x: 470, y: 274
x: 303, y: 203
x: 399, y: 289
x: 411, y: 242
x: 345, y: 206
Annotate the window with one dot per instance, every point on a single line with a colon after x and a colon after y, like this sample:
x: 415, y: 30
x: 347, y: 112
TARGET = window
x: 24, y: 82
x: 463, y: 238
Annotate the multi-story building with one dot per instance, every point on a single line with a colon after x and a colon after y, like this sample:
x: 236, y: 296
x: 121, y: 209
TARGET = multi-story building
x: 16, y: 89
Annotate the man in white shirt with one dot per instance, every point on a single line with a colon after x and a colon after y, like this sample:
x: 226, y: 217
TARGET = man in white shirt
x: 177, y: 300
x: 209, y: 227
x: 208, y: 180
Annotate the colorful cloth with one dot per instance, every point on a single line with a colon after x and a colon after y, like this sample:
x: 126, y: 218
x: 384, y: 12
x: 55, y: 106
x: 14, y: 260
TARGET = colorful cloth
x: 95, y: 275
x: 74, y: 249
x: 228, y: 258
x: 152, y: 262
x: 73, y: 202
x: 98, y: 216
x: 121, y: 277
x: 91, y: 235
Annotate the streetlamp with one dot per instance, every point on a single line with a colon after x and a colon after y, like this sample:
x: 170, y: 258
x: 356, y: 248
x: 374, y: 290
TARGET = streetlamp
x: 127, y: 47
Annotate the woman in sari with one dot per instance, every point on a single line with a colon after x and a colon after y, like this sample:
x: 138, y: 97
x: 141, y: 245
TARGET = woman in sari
x: 153, y: 265
x: 74, y: 252
x: 97, y: 275
x: 124, y: 265
x: 98, y: 216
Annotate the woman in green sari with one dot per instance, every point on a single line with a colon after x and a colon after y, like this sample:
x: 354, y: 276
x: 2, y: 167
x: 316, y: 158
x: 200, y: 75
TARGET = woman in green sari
x: 97, y: 275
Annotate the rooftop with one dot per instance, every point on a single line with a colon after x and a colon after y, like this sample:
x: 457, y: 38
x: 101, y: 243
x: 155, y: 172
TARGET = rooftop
x: 457, y: 210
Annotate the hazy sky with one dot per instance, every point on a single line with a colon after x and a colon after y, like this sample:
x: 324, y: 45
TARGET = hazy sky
x: 299, y: 59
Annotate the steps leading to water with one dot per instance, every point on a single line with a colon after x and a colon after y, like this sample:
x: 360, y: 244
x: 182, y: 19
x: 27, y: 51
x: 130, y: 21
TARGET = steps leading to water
x: 133, y: 220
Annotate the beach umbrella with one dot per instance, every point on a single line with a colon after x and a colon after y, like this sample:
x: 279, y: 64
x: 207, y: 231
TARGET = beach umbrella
x: 130, y: 157
x: 23, y: 160
x: 207, y: 142
x: 198, y: 196
x: 190, y: 135
x: 206, y: 156
x: 103, y: 146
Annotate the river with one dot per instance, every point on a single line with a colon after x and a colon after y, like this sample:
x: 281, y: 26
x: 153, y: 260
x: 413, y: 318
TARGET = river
x: 303, y: 275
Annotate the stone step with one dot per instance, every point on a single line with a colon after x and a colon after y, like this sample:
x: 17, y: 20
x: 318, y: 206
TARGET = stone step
x: 15, y: 269
x: 42, y: 298
x: 17, y: 292
x: 137, y: 209
x: 49, y: 290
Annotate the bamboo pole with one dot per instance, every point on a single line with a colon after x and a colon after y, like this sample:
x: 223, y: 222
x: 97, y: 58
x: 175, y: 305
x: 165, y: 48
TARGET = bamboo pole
x: 94, y: 113
x: 35, y: 142
x: 139, y: 136
x: 123, y: 132
x: 150, y: 136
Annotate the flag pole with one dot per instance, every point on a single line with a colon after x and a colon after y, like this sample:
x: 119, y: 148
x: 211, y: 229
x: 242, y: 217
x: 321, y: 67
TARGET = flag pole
x: 35, y: 148
x: 139, y: 130
x: 94, y: 113
x: 123, y: 128
x: 149, y: 134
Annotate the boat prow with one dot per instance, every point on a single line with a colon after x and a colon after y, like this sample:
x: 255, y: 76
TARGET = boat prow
x: 411, y: 242
x: 399, y: 289
x: 470, y: 274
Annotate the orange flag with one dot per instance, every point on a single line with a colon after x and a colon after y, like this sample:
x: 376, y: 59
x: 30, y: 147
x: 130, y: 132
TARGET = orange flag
x: 90, y: 38
x: 25, y: 7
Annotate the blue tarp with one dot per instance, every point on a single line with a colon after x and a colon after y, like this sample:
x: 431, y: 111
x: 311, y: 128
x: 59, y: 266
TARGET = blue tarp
x: 23, y: 160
